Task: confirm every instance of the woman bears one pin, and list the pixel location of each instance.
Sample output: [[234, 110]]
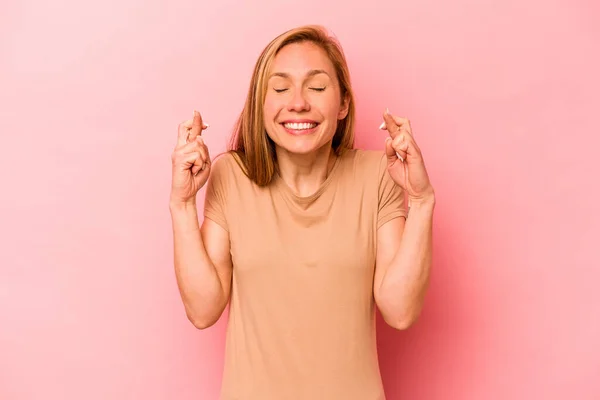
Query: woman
[[303, 235]]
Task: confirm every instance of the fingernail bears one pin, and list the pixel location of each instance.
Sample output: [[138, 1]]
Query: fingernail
[[387, 139], [382, 126], [196, 113], [206, 126], [387, 110]]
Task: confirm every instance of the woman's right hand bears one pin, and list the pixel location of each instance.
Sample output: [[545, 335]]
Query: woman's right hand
[[191, 161]]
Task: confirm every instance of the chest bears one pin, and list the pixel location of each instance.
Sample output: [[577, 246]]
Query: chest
[[334, 233]]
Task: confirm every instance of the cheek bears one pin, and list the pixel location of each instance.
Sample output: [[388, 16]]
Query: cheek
[[271, 107], [330, 105]]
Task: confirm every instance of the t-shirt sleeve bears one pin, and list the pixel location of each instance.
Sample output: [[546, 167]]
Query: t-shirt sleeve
[[216, 192], [391, 199]]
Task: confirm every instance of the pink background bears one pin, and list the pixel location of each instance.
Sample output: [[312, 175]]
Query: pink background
[[504, 102]]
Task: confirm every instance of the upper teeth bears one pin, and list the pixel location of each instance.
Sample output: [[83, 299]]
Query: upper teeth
[[302, 125]]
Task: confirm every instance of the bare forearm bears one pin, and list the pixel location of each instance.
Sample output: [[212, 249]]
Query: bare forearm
[[197, 278], [406, 279]]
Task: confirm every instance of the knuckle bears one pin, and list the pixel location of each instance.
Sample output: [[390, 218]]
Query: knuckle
[[177, 159]]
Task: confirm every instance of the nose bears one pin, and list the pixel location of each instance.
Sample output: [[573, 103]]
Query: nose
[[298, 102]]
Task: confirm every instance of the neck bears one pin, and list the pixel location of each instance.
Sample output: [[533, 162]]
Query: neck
[[305, 173]]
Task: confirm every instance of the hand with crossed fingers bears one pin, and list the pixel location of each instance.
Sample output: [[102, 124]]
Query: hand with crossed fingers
[[190, 159], [405, 161]]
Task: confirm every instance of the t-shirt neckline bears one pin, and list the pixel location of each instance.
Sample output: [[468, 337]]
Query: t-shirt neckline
[[307, 199]]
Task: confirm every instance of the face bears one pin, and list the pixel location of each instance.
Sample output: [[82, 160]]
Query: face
[[303, 102]]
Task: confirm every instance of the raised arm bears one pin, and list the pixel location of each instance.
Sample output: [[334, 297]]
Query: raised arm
[[201, 255], [404, 247]]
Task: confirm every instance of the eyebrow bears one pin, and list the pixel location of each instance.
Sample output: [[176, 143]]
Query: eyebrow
[[310, 73]]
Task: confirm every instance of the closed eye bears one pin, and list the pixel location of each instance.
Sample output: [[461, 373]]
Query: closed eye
[[316, 89]]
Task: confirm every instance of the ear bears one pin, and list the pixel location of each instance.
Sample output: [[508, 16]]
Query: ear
[[344, 108]]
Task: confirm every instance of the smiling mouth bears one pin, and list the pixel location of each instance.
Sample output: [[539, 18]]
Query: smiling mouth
[[299, 126]]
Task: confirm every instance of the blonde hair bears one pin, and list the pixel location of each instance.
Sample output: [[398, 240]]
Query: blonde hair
[[252, 148]]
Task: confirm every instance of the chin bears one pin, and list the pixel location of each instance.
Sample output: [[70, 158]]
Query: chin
[[302, 147], [295, 149]]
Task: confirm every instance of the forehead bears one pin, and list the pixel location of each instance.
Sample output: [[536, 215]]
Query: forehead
[[299, 58]]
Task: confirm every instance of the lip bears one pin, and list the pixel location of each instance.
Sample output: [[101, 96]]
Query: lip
[[302, 132], [299, 121]]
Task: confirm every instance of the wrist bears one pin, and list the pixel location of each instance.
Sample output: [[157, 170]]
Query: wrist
[[184, 216], [422, 202], [425, 198], [182, 205]]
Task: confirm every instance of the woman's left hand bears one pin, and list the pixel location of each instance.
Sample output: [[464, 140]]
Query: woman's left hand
[[409, 172]]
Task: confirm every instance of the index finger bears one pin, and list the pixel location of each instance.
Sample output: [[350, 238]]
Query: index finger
[[183, 132], [389, 123]]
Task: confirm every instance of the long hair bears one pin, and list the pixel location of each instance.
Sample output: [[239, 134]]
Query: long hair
[[252, 148]]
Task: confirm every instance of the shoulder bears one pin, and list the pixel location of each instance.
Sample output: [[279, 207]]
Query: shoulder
[[368, 169], [223, 161], [226, 175], [366, 163], [226, 166]]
